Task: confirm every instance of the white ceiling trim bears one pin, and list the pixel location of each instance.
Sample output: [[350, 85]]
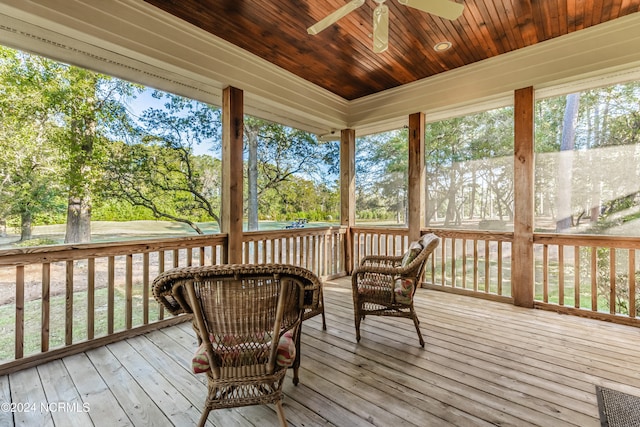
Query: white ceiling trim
[[602, 50], [133, 40]]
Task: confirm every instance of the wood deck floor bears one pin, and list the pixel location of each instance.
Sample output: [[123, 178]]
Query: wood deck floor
[[484, 363]]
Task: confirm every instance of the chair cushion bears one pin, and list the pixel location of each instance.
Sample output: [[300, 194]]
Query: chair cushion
[[403, 290], [285, 354], [411, 254], [427, 238]]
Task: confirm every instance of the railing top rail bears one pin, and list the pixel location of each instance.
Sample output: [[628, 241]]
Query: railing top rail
[[55, 253], [252, 236], [380, 229], [505, 236], [618, 242]]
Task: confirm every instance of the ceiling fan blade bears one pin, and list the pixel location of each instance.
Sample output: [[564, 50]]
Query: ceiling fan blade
[[334, 16], [380, 28], [443, 8]]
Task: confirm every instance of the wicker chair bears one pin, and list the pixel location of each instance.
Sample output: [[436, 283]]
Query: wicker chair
[[386, 285], [247, 318]]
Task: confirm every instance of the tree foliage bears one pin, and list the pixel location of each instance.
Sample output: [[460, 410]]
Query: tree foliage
[[29, 166], [72, 144], [157, 169], [281, 158]]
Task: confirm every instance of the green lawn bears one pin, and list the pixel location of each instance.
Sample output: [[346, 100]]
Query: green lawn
[[33, 321]]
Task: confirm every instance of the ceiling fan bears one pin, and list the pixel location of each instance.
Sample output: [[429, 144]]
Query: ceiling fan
[[443, 8]]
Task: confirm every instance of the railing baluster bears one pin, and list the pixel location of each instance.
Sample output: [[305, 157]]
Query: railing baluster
[[545, 273], [453, 262], [189, 257], [612, 281], [161, 261], [128, 290], [46, 307], [263, 251], [499, 292], [576, 276], [314, 253], [443, 253], [110, 293], [632, 283], [145, 286], [475, 265], [325, 241], [464, 263], [487, 266], [91, 300], [561, 275], [19, 332], [594, 278], [176, 258], [68, 315]]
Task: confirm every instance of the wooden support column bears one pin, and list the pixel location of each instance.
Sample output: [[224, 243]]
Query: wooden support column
[[348, 191], [522, 263], [417, 173], [231, 211]]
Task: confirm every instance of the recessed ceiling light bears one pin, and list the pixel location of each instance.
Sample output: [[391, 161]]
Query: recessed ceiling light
[[441, 46]]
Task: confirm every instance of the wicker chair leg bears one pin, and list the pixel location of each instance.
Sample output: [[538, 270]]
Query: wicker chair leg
[[296, 361], [281, 417], [324, 322], [296, 379], [358, 318], [416, 322], [204, 416]]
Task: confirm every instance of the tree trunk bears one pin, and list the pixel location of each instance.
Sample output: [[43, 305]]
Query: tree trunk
[[79, 203], [451, 197], [252, 178], [565, 163], [78, 220], [25, 226], [472, 196]]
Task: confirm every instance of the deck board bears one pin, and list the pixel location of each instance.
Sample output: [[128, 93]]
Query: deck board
[[484, 363], [60, 390]]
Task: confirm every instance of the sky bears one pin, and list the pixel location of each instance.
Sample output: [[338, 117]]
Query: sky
[[144, 100]]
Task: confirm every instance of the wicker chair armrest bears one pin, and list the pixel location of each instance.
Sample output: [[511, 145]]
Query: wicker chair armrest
[[379, 270], [169, 292], [380, 261]]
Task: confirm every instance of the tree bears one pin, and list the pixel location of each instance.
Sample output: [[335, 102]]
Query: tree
[[88, 105], [156, 167], [381, 175], [565, 164], [29, 165], [469, 167], [277, 155]]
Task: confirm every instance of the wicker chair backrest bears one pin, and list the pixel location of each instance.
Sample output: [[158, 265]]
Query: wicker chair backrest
[[414, 269]]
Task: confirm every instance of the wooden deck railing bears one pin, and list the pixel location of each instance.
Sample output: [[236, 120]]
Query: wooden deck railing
[[62, 299], [321, 250], [59, 300], [474, 262], [378, 241], [592, 276]]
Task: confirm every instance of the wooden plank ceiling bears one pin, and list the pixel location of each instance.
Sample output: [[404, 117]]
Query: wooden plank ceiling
[[340, 58]]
